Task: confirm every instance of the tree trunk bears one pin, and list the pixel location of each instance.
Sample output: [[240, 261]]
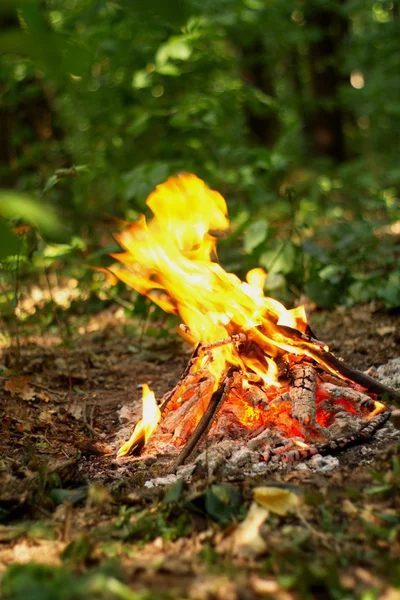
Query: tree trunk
[[324, 119]]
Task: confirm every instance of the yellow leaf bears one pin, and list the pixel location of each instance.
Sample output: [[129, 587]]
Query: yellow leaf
[[247, 539], [277, 500]]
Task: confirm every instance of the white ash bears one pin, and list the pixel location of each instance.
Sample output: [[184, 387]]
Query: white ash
[[302, 466], [217, 455], [266, 437], [259, 468], [389, 373], [126, 414], [345, 424], [161, 481], [236, 458], [185, 471], [389, 432], [323, 464], [244, 457]]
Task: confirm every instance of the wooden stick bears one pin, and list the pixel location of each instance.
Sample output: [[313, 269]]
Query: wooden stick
[[371, 384], [315, 349], [203, 426], [364, 434], [185, 373]]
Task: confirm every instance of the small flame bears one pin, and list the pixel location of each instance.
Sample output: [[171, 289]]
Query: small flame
[[301, 444], [379, 407], [147, 425]]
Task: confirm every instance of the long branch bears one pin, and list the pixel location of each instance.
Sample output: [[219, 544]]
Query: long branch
[[372, 385], [315, 349], [216, 401]]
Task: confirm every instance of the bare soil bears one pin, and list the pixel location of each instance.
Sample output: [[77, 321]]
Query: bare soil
[[61, 484]]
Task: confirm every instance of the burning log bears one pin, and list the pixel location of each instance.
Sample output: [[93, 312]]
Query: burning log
[[303, 392], [256, 366]]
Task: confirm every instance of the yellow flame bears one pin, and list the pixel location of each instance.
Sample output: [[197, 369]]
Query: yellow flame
[[379, 407], [301, 444], [147, 425], [172, 260]]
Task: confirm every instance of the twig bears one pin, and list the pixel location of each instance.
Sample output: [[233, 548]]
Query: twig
[[234, 338], [203, 426], [364, 434], [17, 340], [64, 343], [46, 389]]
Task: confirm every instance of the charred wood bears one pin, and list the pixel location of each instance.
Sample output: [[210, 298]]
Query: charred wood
[[303, 392], [216, 401], [364, 434]]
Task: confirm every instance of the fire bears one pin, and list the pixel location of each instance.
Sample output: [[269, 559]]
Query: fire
[[147, 425], [172, 259]]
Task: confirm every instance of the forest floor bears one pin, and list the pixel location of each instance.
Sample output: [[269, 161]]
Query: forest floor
[[76, 525]]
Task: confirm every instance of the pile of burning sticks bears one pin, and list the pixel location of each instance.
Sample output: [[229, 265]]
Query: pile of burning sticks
[[256, 366]]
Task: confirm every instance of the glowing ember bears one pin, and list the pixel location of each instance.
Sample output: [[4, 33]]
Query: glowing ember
[[274, 367]]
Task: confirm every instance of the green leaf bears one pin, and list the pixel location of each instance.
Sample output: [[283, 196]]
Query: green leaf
[[7, 6], [19, 205], [332, 273], [255, 235], [280, 259], [323, 292], [390, 291], [77, 551], [59, 496], [222, 501], [174, 492], [15, 41], [9, 243], [177, 47]]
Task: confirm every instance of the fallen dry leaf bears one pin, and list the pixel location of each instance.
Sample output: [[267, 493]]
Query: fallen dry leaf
[[247, 539], [278, 500], [386, 330], [19, 386], [46, 416]]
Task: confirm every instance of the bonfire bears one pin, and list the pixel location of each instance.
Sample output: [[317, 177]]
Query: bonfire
[[257, 371]]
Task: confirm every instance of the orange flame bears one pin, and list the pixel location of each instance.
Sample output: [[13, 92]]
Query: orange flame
[[147, 425]]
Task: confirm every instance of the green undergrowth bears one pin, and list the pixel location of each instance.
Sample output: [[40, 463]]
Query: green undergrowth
[[343, 543]]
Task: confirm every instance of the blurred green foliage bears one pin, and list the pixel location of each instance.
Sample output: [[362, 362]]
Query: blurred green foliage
[[290, 109]]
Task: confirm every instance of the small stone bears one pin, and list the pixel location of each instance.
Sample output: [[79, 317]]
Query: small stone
[[125, 414], [161, 481], [259, 468]]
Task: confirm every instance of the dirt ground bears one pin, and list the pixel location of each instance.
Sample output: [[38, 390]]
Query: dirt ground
[[64, 501]]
